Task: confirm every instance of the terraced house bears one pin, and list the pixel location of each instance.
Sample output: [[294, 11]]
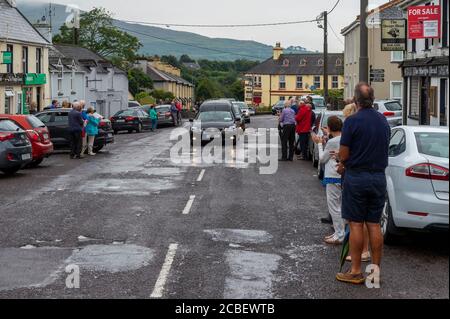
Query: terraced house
[[285, 75], [23, 62]]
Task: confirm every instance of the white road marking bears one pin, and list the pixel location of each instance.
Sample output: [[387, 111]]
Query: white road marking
[[165, 271], [202, 174], [189, 204]]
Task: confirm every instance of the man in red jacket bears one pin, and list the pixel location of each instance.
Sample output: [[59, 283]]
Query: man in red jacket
[[303, 128]]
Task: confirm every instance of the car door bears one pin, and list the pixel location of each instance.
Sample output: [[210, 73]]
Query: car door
[[395, 171], [61, 128], [48, 119], [145, 119]]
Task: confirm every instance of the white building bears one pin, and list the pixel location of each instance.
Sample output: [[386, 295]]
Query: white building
[[425, 73], [105, 85]]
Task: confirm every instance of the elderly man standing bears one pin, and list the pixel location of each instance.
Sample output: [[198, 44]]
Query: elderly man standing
[[76, 125], [364, 158], [287, 123]]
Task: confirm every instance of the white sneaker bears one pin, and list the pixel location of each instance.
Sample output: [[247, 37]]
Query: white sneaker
[[92, 154]]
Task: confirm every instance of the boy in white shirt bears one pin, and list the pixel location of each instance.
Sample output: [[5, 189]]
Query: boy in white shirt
[[332, 179]]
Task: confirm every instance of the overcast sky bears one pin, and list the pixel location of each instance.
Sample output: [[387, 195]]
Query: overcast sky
[[239, 12]]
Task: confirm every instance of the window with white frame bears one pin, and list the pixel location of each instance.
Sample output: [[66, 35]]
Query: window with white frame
[[282, 82], [299, 83], [397, 56], [317, 82], [396, 90], [335, 82]]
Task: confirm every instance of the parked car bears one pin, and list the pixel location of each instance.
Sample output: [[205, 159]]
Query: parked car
[[134, 119], [57, 122], [318, 101], [164, 115], [251, 110], [215, 117], [278, 108], [245, 110], [239, 115], [321, 122], [134, 104], [392, 109], [417, 179], [37, 133], [15, 148]]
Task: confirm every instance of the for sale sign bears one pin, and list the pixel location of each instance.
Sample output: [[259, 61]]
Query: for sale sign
[[424, 22]]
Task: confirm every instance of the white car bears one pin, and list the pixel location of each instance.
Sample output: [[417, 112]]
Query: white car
[[417, 181], [392, 110]]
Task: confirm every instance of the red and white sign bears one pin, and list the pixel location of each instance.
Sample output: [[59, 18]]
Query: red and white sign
[[424, 22]]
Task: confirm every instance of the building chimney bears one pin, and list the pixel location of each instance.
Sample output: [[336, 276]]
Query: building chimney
[[277, 51], [45, 30]]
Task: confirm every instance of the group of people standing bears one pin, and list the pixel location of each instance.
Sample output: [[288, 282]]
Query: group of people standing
[[355, 156], [295, 123], [83, 128]]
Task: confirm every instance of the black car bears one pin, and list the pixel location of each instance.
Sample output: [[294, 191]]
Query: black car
[[215, 118], [278, 108], [57, 122], [134, 119], [15, 147]]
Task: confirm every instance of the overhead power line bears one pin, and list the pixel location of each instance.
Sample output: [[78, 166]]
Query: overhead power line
[[334, 7], [220, 25], [335, 34], [189, 45]]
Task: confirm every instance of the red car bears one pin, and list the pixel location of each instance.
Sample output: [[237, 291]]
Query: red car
[[37, 133]]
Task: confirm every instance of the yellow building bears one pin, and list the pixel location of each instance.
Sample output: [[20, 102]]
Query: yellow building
[[168, 78], [285, 75], [23, 63]]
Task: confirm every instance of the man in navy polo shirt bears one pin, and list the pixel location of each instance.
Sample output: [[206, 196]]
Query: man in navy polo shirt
[[364, 158]]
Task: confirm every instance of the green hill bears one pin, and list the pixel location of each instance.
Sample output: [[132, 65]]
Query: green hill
[[154, 39]]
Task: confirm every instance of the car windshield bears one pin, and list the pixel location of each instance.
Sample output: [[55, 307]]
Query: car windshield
[[218, 116], [327, 116], [126, 113], [8, 126], [237, 109], [319, 102], [433, 144], [163, 109], [35, 122], [241, 105], [393, 106]]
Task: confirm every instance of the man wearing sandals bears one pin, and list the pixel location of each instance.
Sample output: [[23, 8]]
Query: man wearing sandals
[[364, 157]]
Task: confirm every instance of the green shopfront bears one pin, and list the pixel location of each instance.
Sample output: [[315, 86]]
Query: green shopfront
[[32, 91]]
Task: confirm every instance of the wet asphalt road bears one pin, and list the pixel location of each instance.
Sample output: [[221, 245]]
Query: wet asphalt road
[[119, 217]]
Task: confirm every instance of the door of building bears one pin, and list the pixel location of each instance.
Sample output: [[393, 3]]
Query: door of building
[[38, 98], [27, 99], [424, 114]]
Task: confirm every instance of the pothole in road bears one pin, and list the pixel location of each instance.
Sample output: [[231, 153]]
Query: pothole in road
[[251, 275], [36, 267], [239, 236], [137, 187]]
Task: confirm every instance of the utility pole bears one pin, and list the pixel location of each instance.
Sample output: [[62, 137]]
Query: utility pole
[[325, 56], [364, 44]]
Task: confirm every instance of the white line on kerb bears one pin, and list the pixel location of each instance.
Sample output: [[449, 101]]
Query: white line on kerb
[[188, 207], [164, 274], [200, 177]]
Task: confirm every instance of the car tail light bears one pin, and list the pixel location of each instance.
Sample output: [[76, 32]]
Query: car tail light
[[10, 157], [102, 124], [388, 114], [420, 214], [33, 135], [130, 118], [112, 119], [6, 136], [428, 171]]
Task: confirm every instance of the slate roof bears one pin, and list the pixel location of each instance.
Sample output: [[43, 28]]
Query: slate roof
[[301, 64], [14, 26], [86, 58], [161, 76]]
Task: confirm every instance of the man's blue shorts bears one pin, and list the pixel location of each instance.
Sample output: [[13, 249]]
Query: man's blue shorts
[[363, 196]]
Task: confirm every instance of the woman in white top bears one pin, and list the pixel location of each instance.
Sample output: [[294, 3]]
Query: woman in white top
[[332, 179]]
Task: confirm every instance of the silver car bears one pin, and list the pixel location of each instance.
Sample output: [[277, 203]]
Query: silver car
[[417, 179], [392, 110]]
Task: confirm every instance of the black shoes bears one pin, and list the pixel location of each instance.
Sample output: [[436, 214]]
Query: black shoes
[[326, 220]]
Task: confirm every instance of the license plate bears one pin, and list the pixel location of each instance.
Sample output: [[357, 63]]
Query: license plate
[[120, 121], [26, 157], [110, 135]]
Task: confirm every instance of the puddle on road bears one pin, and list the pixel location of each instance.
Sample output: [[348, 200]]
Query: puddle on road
[[239, 236], [40, 267], [251, 275]]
